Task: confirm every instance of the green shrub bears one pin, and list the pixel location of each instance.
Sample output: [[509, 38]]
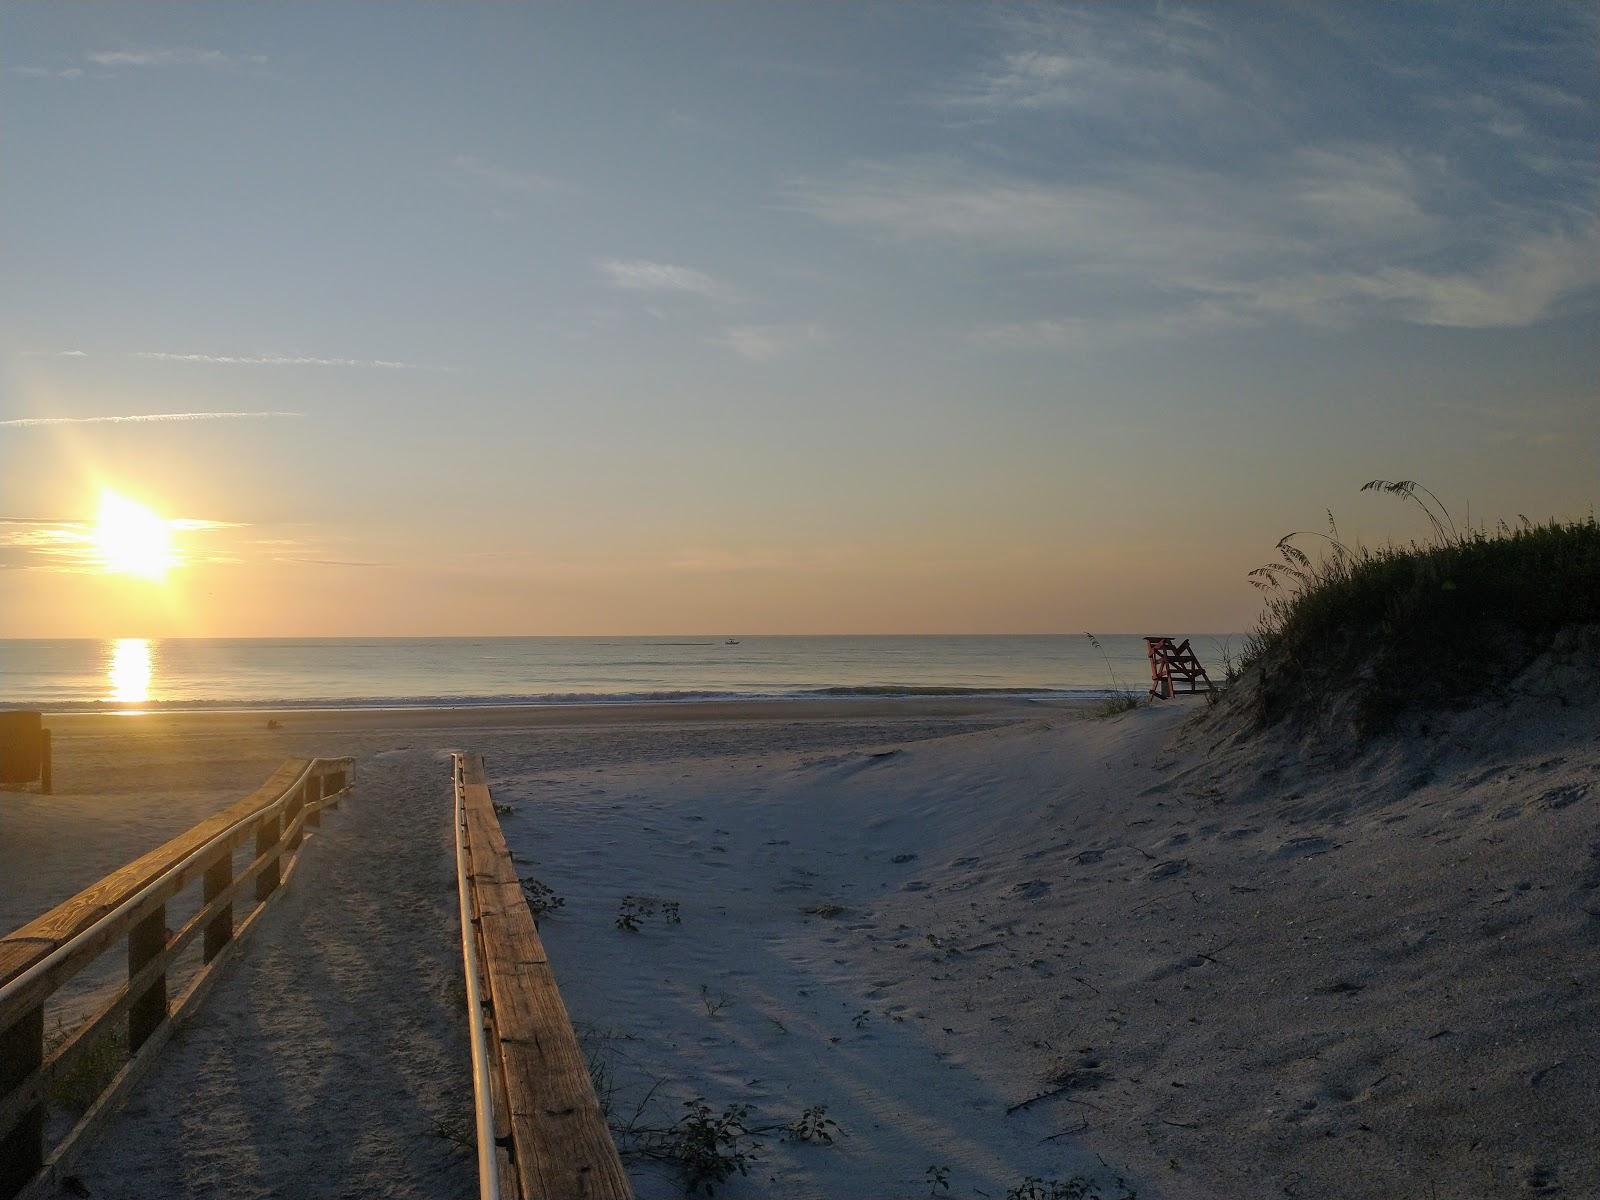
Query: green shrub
[[1421, 623]]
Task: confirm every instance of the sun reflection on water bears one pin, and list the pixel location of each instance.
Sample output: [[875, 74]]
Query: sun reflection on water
[[129, 672]]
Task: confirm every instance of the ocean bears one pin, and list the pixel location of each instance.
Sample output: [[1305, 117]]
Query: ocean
[[138, 673]]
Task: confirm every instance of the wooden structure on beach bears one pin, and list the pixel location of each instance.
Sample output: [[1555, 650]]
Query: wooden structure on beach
[[541, 1134], [129, 907], [1174, 670], [24, 749]]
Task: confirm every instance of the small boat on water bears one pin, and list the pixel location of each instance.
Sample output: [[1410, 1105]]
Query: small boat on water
[[731, 642]]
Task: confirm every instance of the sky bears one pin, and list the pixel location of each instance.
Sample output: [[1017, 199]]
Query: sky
[[784, 318]]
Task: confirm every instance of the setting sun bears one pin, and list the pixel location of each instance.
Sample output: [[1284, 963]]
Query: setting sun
[[133, 540]]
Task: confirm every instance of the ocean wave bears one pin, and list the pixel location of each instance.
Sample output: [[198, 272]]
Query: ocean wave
[[537, 699]]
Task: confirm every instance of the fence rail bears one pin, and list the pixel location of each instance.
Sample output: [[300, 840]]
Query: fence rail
[[531, 1084], [131, 904]]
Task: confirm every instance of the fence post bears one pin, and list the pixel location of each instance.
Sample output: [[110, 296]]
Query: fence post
[[291, 810], [219, 930], [268, 830], [314, 801], [21, 1147], [147, 1010]]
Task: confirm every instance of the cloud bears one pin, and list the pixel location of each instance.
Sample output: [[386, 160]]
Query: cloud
[[639, 275], [1316, 234], [141, 419], [171, 56], [1088, 333], [1527, 281], [764, 343], [45, 72], [70, 546], [1158, 217], [282, 360], [1165, 172], [507, 179]]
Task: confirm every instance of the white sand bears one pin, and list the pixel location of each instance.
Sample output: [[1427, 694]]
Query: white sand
[[1239, 971], [1235, 968]]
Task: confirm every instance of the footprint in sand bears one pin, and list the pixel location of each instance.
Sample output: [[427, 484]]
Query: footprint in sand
[[1303, 847], [1561, 797]]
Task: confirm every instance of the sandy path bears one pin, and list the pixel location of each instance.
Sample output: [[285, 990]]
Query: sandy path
[[334, 1049]]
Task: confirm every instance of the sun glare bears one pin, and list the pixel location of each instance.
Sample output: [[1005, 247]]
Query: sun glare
[[129, 671], [132, 540]]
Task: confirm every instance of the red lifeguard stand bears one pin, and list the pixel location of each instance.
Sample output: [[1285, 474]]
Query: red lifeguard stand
[[1174, 670]]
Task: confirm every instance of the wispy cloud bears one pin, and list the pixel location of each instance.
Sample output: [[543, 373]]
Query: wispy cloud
[[1187, 187], [171, 56], [70, 546], [282, 360], [640, 275], [45, 72], [1161, 218], [507, 179], [1317, 234], [1099, 332], [252, 360], [142, 419], [765, 343]]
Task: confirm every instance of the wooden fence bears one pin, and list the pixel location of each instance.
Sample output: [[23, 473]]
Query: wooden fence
[[131, 904], [541, 1133]]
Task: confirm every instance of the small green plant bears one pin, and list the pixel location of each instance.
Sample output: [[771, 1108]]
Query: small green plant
[[542, 898], [938, 1180], [713, 1006], [813, 1125], [861, 1018], [707, 1148], [1115, 705], [1121, 698], [1034, 1187], [633, 911]]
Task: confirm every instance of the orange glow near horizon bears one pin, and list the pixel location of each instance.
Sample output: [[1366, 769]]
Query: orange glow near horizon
[[132, 539]]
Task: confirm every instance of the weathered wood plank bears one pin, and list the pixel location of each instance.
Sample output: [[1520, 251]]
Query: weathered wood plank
[[25, 946], [44, 1185], [561, 1148]]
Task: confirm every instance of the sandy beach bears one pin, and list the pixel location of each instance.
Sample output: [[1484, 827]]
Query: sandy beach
[[991, 939]]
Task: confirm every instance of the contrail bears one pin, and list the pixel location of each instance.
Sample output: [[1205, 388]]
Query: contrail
[[277, 360], [142, 419]]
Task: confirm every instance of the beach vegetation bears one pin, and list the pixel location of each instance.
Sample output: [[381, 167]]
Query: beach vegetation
[[1115, 705], [541, 897], [938, 1179], [714, 1005], [635, 910], [704, 1147], [1121, 698], [1034, 1187], [813, 1125], [1428, 622]]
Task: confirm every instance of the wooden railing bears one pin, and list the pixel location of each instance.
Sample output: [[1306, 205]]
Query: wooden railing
[[541, 1133], [131, 904]]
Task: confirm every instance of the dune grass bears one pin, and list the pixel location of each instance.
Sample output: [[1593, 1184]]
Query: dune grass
[[1431, 621]]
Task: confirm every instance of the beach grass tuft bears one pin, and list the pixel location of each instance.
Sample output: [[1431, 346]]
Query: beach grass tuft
[[1426, 622]]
